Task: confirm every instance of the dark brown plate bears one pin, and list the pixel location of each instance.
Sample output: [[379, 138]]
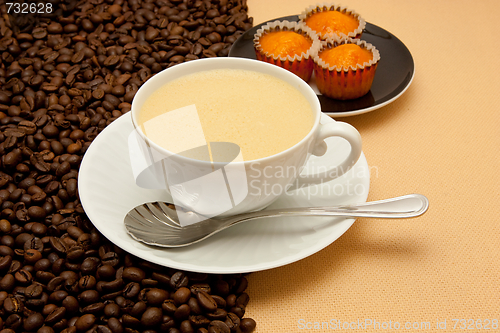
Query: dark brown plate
[[394, 73]]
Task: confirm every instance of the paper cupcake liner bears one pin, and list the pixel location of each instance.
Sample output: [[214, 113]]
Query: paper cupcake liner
[[345, 83], [299, 64], [321, 7]]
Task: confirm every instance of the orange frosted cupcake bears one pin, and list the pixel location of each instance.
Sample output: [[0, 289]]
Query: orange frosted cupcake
[[290, 45], [329, 20], [345, 67]]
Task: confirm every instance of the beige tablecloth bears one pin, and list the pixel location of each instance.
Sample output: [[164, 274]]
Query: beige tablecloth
[[440, 138]]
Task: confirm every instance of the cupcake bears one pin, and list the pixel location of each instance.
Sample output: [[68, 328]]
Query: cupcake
[[345, 67], [329, 20], [290, 45]]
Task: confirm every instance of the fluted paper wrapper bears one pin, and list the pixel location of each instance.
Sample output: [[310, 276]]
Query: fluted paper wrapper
[[299, 64], [323, 7], [345, 83]]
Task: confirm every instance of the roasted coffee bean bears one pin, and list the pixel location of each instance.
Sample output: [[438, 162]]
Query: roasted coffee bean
[[178, 280], [13, 304], [85, 241], [238, 310], [197, 287], [95, 308], [110, 258], [242, 299], [149, 283], [6, 251], [23, 277], [38, 229], [71, 284], [247, 325], [217, 326], [195, 307], [74, 232], [133, 274], [89, 265], [6, 284], [87, 282], [57, 267], [221, 302], [186, 327], [42, 265], [58, 295], [70, 303], [138, 309], [55, 315], [131, 290], [115, 325], [152, 317], [5, 226], [129, 321], [156, 296], [106, 272], [85, 322], [57, 245], [181, 296], [75, 253], [231, 300], [37, 303], [111, 296], [33, 291], [45, 329], [103, 329], [13, 322], [182, 312], [5, 262], [33, 322], [218, 314], [89, 296], [169, 306], [232, 321], [71, 329], [206, 301], [112, 310], [241, 285], [44, 277], [21, 239], [199, 320]]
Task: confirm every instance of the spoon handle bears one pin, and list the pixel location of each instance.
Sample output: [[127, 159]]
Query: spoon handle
[[148, 223], [406, 206]]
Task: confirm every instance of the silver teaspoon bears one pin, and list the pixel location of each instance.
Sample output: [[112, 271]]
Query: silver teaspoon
[[156, 223]]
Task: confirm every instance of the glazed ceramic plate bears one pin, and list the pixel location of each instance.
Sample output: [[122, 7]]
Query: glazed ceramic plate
[[394, 74], [108, 191]]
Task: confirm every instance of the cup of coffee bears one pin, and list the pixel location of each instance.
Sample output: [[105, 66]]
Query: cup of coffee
[[228, 135]]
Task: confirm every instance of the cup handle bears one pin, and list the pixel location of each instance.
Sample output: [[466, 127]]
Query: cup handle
[[340, 129]]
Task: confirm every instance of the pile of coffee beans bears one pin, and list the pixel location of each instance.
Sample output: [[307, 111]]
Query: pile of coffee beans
[[64, 76]]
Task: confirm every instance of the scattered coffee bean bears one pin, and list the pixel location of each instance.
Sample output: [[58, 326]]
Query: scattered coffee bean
[[182, 295], [217, 326], [63, 78], [133, 274], [206, 301], [33, 322], [247, 325], [152, 317], [85, 322]]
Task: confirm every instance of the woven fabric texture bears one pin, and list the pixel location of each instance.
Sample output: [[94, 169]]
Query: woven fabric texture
[[441, 138]]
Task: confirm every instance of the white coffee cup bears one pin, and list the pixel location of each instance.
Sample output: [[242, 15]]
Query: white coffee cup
[[235, 186]]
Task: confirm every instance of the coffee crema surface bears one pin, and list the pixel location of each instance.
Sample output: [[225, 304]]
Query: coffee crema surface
[[260, 113]]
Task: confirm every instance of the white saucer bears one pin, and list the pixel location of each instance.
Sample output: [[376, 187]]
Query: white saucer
[[108, 191]]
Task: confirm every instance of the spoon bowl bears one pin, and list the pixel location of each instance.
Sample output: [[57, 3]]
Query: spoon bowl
[[157, 223]]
